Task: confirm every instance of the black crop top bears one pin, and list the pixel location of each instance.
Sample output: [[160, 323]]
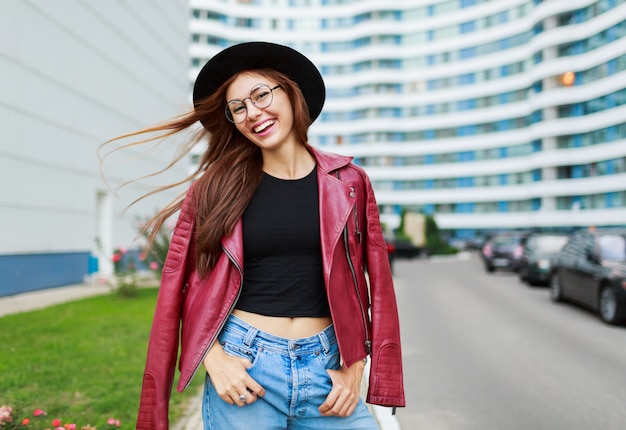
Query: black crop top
[[283, 273]]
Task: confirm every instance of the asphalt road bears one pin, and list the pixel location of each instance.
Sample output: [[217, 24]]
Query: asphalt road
[[485, 352]]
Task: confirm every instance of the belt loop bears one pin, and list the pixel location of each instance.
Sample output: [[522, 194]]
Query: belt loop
[[324, 341], [250, 335]]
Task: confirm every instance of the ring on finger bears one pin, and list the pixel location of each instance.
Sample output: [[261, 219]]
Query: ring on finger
[[243, 397]]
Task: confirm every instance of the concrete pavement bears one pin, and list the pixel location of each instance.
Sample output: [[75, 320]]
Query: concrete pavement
[[193, 420]]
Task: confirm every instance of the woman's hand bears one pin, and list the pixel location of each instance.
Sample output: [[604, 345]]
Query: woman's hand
[[344, 396], [230, 378]]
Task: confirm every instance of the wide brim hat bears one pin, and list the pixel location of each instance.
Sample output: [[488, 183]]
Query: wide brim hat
[[262, 55]]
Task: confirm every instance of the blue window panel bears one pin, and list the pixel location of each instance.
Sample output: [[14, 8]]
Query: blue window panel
[[466, 130], [429, 159], [504, 98], [610, 167], [430, 60], [611, 67], [505, 44], [467, 156], [466, 182], [430, 109], [577, 172], [503, 179], [536, 175], [430, 9], [397, 137], [467, 27], [503, 206], [466, 53], [610, 199], [466, 79], [503, 17], [428, 209], [537, 145], [467, 3], [611, 100], [429, 134], [577, 140], [578, 109], [465, 233], [538, 87], [502, 125], [464, 208], [431, 84], [429, 184], [504, 152], [430, 34], [535, 204], [611, 133]]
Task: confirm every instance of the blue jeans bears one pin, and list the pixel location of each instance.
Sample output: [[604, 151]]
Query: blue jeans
[[293, 373]]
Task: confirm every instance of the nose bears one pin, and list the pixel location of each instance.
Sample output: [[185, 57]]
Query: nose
[[253, 110]]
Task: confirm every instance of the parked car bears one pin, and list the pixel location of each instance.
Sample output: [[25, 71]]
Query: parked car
[[539, 248], [590, 270], [502, 251], [402, 248]]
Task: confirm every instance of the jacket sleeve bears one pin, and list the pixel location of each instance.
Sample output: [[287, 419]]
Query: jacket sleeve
[[164, 336], [386, 386]]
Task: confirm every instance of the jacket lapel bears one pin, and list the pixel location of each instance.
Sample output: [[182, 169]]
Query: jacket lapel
[[335, 203]]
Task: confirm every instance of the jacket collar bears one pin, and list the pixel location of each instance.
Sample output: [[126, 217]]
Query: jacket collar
[[336, 201]]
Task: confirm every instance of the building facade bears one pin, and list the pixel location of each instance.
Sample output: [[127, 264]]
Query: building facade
[[76, 73], [488, 114]]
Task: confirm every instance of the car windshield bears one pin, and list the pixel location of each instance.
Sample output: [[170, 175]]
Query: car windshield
[[548, 244], [612, 247], [506, 241]]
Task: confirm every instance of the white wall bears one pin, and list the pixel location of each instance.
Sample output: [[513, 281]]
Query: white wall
[[74, 73]]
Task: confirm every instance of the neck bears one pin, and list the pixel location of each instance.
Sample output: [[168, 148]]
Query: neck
[[291, 163]]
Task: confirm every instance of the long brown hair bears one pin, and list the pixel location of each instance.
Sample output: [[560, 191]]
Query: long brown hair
[[229, 171]]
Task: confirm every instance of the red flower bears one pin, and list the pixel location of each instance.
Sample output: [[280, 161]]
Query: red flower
[[56, 423], [117, 257], [39, 412], [25, 421]]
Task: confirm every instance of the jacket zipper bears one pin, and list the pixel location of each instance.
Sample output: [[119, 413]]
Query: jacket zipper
[[217, 332], [368, 342]]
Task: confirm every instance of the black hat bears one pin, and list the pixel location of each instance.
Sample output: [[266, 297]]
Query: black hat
[[262, 55]]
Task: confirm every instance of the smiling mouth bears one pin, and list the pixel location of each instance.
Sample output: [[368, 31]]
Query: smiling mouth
[[264, 126]]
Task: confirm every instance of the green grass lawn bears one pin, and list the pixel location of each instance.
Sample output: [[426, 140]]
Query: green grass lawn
[[82, 361]]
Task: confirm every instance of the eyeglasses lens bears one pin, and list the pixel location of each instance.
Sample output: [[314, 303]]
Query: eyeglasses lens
[[261, 96]]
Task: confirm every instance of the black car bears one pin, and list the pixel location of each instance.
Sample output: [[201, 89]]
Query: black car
[[590, 271], [539, 248], [502, 251]]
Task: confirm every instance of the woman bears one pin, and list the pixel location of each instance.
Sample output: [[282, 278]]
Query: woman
[[265, 275]]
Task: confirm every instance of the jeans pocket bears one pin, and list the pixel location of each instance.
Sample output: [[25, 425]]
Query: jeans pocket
[[240, 350]]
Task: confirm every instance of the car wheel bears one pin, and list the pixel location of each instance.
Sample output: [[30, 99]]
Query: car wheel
[[608, 306], [523, 274], [556, 293]]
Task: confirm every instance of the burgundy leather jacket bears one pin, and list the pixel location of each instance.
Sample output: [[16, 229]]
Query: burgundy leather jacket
[[197, 308]]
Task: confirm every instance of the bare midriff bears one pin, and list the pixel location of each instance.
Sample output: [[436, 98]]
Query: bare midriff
[[286, 327]]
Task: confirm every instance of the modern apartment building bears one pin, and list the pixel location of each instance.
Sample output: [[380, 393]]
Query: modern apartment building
[[75, 73], [489, 114]]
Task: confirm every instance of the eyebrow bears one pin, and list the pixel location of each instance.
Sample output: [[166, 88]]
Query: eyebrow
[[252, 89]]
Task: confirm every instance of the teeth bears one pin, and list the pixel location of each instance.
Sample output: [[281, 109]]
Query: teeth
[[263, 126]]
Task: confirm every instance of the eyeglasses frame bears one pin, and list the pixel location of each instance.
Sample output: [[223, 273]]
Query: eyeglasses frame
[[226, 110]]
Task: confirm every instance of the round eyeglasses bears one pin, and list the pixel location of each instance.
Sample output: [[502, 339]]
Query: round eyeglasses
[[261, 96]]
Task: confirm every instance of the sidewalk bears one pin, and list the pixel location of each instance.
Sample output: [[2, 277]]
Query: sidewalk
[[193, 421]]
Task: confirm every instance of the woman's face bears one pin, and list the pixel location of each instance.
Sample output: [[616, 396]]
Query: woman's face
[[270, 128]]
